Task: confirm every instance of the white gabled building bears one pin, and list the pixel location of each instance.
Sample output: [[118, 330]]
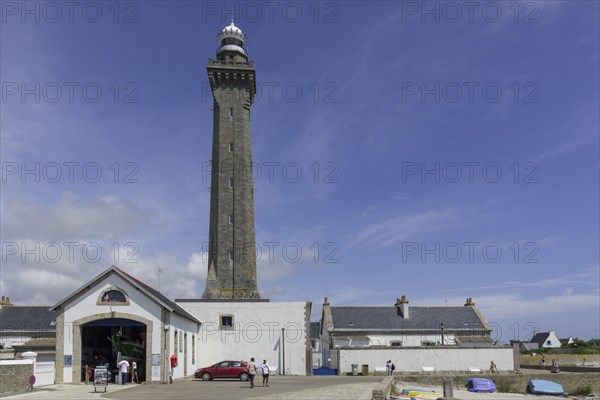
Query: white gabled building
[[547, 340], [116, 312]]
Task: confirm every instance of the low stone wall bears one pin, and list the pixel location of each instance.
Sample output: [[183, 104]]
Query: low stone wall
[[563, 359], [14, 375], [383, 389], [518, 382], [565, 368]]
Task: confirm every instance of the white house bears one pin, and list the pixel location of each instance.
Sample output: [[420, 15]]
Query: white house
[[115, 314], [546, 339]]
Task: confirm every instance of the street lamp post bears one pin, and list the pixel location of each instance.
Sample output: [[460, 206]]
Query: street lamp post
[[283, 351], [442, 328]]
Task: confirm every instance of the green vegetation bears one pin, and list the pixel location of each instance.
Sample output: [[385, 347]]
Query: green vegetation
[[585, 390], [506, 387]]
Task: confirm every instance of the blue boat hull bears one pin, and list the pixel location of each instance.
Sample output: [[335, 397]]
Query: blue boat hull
[[481, 385], [539, 386]]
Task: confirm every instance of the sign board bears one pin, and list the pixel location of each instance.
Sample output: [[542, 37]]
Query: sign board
[[100, 378]]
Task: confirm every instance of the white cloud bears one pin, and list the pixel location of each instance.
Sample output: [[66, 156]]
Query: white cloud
[[72, 218], [393, 230]]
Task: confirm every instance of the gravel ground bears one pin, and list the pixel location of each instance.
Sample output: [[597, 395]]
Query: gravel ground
[[350, 391], [466, 395]]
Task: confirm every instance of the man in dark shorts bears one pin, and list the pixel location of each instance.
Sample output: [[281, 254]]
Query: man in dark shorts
[[265, 373]]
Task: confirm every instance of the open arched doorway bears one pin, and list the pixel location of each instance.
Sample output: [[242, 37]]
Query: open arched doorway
[[107, 341], [104, 339]]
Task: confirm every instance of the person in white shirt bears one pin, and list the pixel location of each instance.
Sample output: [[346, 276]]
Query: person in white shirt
[[265, 373], [252, 372], [123, 367], [134, 373]]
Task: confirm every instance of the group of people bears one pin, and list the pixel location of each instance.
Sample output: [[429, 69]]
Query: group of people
[[253, 369], [126, 369]]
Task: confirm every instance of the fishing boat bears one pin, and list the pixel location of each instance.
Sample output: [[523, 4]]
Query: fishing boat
[[129, 349]]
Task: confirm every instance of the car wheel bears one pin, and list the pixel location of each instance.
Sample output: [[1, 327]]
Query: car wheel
[[206, 376], [244, 376]]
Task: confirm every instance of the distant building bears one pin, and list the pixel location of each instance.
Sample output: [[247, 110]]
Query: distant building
[[27, 328], [567, 341], [546, 340], [414, 338]]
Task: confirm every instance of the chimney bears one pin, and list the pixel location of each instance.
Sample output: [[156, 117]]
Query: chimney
[[402, 307], [469, 302], [327, 318], [5, 302]]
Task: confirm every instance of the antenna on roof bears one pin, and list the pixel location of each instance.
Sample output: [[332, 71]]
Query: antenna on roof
[[159, 270]]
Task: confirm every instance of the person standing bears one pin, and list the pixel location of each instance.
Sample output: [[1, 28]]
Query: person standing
[[388, 367], [265, 373], [252, 372], [543, 362], [493, 367], [134, 372], [123, 367]]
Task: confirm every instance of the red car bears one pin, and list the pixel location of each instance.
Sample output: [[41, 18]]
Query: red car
[[224, 369]]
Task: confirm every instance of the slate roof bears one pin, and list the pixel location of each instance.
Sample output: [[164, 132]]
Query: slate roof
[[540, 338], [315, 330], [421, 318], [27, 319]]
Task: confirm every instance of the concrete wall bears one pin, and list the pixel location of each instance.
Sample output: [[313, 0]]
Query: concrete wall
[[413, 359], [257, 333], [187, 332], [14, 375]]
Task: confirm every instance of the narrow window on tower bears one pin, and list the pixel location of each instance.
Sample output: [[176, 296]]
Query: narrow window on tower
[[231, 255], [231, 183], [230, 219], [231, 112], [230, 146]]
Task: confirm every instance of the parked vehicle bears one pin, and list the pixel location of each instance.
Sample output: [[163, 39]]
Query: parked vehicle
[[224, 370]]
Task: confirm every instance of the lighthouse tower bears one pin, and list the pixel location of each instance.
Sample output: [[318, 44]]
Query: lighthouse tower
[[236, 321], [232, 242]]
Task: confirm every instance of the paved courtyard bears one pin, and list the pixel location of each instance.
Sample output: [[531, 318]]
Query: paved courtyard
[[281, 388]]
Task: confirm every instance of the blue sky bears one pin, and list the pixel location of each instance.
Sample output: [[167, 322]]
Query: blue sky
[[428, 141]]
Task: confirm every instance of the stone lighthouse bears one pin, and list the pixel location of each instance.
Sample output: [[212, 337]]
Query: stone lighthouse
[[232, 242]]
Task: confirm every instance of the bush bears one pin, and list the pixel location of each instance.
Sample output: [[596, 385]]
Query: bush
[[585, 390]]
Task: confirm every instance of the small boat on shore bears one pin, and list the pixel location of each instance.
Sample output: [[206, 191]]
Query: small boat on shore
[[481, 385], [540, 386]]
